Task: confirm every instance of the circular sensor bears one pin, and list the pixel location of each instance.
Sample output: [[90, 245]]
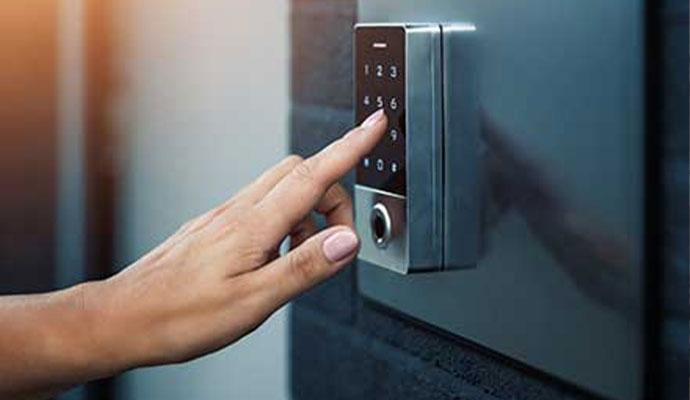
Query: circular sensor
[[380, 222]]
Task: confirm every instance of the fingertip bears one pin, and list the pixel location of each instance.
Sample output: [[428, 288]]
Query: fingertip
[[340, 245], [371, 130], [374, 119]]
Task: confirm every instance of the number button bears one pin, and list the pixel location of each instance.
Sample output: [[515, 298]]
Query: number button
[[379, 101], [366, 101], [394, 103], [394, 167], [393, 71], [380, 165], [367, 69], [379, 70], [394, 135], [366, 162]]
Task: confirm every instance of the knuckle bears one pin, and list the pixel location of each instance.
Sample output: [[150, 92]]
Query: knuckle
[[293, 159], [191, 226], [303, 264], [185, 226], [247, 242], [256, 252], [304, 172]]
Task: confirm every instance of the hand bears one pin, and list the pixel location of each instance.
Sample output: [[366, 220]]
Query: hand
[[220, 275]]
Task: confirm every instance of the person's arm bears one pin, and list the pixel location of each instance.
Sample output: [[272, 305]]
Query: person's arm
[[46, 343], [212, 282]]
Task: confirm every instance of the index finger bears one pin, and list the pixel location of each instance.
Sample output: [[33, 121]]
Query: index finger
[[299, 192]]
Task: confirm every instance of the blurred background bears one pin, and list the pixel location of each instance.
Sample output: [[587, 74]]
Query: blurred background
[[121, 120]]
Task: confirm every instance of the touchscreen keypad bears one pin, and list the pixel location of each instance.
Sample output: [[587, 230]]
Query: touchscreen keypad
[[380, 83]]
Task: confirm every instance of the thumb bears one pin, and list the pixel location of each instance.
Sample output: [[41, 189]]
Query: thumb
[[312, 262]]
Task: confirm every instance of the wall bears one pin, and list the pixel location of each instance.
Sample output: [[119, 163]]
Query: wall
[[672, 89], [345, 348], [201, 110]]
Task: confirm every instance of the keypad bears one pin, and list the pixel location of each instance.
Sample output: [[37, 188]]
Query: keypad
[[380, 83]]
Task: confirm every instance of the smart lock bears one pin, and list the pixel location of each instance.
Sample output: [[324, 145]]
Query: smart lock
[[416, 193]]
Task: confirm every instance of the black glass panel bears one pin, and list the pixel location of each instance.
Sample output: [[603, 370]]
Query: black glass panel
[[380, 83]]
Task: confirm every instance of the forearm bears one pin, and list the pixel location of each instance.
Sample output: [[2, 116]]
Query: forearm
[[47, 343]]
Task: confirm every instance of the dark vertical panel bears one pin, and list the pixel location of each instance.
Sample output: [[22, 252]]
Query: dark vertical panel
[[672, 88], [653, 200], [27, 144], [667, 219], [100, 167]]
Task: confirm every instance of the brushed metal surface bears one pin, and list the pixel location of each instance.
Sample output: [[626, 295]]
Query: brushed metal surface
[[461, 147], [394, 255], [559, 282]]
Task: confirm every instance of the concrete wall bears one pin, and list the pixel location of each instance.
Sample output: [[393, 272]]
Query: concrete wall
[[201, 110]]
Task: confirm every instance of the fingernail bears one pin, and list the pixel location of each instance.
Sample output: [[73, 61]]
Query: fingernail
[[373, 119], [340, 245]]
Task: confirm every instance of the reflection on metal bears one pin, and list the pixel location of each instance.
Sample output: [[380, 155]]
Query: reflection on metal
[[598, 263], [560, 277]]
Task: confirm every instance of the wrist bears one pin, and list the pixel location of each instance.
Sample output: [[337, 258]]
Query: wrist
[[102, 349], [121, 334], [48, 337]]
